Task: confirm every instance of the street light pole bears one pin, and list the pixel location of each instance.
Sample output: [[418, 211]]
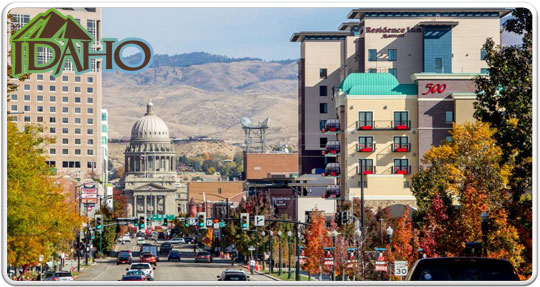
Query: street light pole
[[358, 233], [279, 259], [271, 233], [361, 196], [334, 239], [297, 266], [289, 235], [263, 249], [390, 233]]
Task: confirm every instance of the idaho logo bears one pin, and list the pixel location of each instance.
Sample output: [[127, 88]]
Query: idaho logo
[[67, 39]]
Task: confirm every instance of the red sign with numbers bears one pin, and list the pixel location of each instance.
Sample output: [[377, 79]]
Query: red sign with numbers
[[434, 88]]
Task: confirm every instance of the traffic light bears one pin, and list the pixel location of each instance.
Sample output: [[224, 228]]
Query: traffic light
[[202, 220], [141, 222], [345, 217], [337, 220], [165, 222], [244, 221], [98, 218]]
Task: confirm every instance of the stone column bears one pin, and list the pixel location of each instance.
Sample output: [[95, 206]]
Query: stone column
[[145, 205]]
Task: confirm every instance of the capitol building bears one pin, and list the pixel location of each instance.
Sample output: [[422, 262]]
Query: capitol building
[[149, 183]]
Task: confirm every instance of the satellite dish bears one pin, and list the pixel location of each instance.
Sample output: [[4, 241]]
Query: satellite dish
[[245, 121], [264, 124]]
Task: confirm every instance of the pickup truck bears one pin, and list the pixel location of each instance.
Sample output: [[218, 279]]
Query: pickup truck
[[150, 248]]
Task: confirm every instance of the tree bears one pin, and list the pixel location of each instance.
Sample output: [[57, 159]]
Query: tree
[[40, 216], [314, 237], [402, 239]]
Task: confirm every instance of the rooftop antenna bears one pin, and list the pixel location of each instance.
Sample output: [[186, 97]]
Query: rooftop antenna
[[255, 135]]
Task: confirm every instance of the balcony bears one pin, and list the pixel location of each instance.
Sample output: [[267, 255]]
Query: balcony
[[332, 192], [401, 170], [401, 147], [383, 125], [365, 147], [370, 169], [332, 149], [332, 126], [332, 170]]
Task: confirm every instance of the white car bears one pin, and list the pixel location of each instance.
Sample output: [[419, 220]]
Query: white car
[[140, 241], [145, 267], [177, 241]]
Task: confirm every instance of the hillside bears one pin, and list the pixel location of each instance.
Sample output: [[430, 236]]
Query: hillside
[[207, 99]]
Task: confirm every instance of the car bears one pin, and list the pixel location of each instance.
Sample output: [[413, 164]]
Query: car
[[148, 257], [140, 234], [140, 241], [203, 256], [233, 275], [126, 250], [462, 269], [123, 257], [165, 248], [124, 239], [188, 240], [133, 278], [59, 276], [174, 255], [136, 272], [177, 241], [145, 267]]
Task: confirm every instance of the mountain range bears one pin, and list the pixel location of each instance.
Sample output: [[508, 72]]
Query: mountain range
[[203, 94]]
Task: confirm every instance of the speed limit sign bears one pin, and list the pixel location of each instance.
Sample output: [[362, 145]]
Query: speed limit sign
[[401, 268]]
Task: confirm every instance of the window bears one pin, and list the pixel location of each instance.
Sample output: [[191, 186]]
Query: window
[[449, 117], [90, 131], [393, 71], [52, 99], [65, 78], [323, 108], [14, 118], [401, 119], [26, 119], [483, 54], [52, 120], [104, 141], [365, 165], [401, 165], [77, 151], [65, 99], [91, 27], [77, 131], [39, 77], [90, 111], [39, 109], [52, 151], [39, 87], [65, 151], [65, 141], [13, 97], [90, 90], [484, 70], [65, 120], [78, 121], [89, 141], [91, 164], [104, 117], [372, 70], [448, 139], [77, 79], [27, 87], [14, 108], [52, 88], [39, 119], [104, 128], [438, 65], [44, 55], [365, 119], [90, 121], [52, 130], [77, 110], [77, 141], [19, 20], [401, 143], [26, 98], [365, 143], [51, 78], [26, 108], [372, 55], [322, 124], [90, 100], [90, 152], [323, 91], [323, 73], [89, 79], [65, 130], [322, 142], [39, 98], [65, 89], [77, 100], [392, 54], [77, 89], [65, 110], [52, 109]]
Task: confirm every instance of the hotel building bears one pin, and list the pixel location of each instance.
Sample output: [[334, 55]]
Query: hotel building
[[412, 78], [68, 106]]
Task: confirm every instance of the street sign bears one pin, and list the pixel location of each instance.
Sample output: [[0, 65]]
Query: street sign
[[222, 224], [170, 217], [328, 257], [381, 264], [216, 225], [192, 221], [209, 222], [401, 268], [89, 204], [89, 195], [251, 248], [259, 220]]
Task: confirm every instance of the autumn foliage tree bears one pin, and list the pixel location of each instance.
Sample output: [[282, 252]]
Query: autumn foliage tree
[[315, 236]]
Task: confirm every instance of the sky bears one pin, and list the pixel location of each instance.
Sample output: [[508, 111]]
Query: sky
[[234, 32]]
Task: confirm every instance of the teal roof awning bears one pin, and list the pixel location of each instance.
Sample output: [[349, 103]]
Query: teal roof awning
[[376, 84]]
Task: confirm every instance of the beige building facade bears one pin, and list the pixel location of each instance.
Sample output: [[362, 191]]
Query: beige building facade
[[68, 107]]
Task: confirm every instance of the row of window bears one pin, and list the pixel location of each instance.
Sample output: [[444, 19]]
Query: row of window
[[65, 78], [77, 141], [65, 89], [392, 55], [366, 118], [438, 67], [72, 164], [52, 109], [52, 99], [77, 151]]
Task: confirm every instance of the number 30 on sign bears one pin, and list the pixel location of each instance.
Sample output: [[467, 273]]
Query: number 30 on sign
[[401, 268]]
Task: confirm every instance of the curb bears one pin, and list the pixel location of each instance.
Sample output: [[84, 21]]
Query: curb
[[265, 275]]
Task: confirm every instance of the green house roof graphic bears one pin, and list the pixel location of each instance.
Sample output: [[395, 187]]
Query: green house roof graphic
[[52, 25]]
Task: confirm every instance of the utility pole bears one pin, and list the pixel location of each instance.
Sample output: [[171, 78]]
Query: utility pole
[[297, 266]]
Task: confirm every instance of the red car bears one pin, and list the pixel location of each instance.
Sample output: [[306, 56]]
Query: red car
[[148, 257]]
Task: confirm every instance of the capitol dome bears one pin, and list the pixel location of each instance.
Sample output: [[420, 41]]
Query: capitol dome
[[150, 127]]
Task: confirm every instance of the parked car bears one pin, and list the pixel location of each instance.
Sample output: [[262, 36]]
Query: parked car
[[165, 248], [233, 275], [176, 241], [462, 269], [59, 276], [123, 257], [136, 272], [145, 267], [203, 256], [174, 255], [148, 257]]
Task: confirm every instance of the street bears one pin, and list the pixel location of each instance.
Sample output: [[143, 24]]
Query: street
[[185, 270]]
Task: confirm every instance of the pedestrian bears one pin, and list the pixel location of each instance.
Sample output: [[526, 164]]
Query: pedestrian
[[233, 258], [251, 265]]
